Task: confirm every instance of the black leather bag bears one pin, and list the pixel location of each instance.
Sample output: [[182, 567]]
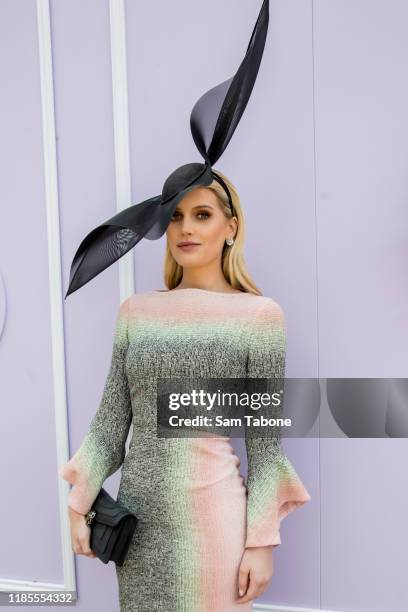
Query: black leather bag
[[112, 528]]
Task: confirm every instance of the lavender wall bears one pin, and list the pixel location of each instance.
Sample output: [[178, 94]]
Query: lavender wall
[[26, 394], [319, 161]]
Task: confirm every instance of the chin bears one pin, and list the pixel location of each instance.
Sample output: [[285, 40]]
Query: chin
[[186, 256], [189, 261]]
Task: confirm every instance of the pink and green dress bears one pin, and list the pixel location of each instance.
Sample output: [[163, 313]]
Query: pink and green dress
[[196, 512]]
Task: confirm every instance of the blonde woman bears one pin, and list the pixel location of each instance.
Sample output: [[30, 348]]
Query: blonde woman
[[204, 538]]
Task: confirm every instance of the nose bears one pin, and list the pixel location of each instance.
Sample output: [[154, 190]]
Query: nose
[[186, 225]]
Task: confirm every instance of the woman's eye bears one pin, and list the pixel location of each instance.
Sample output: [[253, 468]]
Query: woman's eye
[[202, 215]]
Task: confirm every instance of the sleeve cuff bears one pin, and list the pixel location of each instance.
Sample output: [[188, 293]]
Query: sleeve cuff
[[264, 529]]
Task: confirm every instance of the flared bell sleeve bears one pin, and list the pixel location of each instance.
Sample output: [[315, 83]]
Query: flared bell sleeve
[[104, 447], [274, 489]]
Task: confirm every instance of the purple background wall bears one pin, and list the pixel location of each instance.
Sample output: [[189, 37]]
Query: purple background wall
[[319, 160]]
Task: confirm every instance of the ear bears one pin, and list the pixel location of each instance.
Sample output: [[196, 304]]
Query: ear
[[233, 225]]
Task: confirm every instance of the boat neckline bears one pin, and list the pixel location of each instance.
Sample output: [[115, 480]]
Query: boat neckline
[[199, 289]]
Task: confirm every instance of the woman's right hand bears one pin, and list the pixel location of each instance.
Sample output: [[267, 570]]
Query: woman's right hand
[[80, 534]]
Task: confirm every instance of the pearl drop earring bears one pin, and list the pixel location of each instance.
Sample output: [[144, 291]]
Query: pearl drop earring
[[230, 241]]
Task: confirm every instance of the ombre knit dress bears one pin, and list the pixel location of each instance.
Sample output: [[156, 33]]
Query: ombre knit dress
[[196, 512]]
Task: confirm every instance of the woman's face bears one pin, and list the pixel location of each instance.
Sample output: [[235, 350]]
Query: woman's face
[[198, 218]]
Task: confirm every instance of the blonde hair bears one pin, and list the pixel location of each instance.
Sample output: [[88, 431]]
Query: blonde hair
[[232, 258]]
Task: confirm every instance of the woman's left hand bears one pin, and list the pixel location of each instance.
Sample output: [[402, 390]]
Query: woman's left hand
[[255, 572]]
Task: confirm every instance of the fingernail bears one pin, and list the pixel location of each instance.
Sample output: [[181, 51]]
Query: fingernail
[[241, 592]]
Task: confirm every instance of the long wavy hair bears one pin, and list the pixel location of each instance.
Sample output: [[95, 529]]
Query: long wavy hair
[[232, 258]]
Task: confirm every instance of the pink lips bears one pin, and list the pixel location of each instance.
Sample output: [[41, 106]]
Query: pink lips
[[187, 246]]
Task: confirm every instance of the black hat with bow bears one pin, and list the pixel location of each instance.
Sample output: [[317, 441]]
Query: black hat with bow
[[213, 121]]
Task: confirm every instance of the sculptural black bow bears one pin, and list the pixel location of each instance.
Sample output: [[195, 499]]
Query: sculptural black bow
[[213, 121]]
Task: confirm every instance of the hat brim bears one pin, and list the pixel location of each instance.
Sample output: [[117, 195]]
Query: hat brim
[[115, 237], [111, 240]]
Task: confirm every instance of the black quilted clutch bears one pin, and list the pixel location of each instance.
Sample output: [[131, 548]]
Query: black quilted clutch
[[112, 528]]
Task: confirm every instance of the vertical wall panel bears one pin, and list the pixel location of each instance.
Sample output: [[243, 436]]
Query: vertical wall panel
[[361, 54], [27, 449]]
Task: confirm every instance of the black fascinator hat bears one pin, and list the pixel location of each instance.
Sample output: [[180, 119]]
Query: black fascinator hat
[[213, 121]]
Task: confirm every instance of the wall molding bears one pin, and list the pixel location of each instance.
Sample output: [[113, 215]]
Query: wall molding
[[55, 279], [3, 305], [117, 19], [56, 305], [55, 287], [30, 585], [274, 608]]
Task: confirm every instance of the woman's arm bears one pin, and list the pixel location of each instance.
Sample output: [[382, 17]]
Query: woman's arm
[[103, 450], [273, 487]]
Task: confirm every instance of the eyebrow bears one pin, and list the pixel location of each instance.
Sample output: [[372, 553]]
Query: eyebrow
[[198, 206]]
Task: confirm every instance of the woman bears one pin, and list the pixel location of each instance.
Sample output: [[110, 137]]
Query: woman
[[204, 537]]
